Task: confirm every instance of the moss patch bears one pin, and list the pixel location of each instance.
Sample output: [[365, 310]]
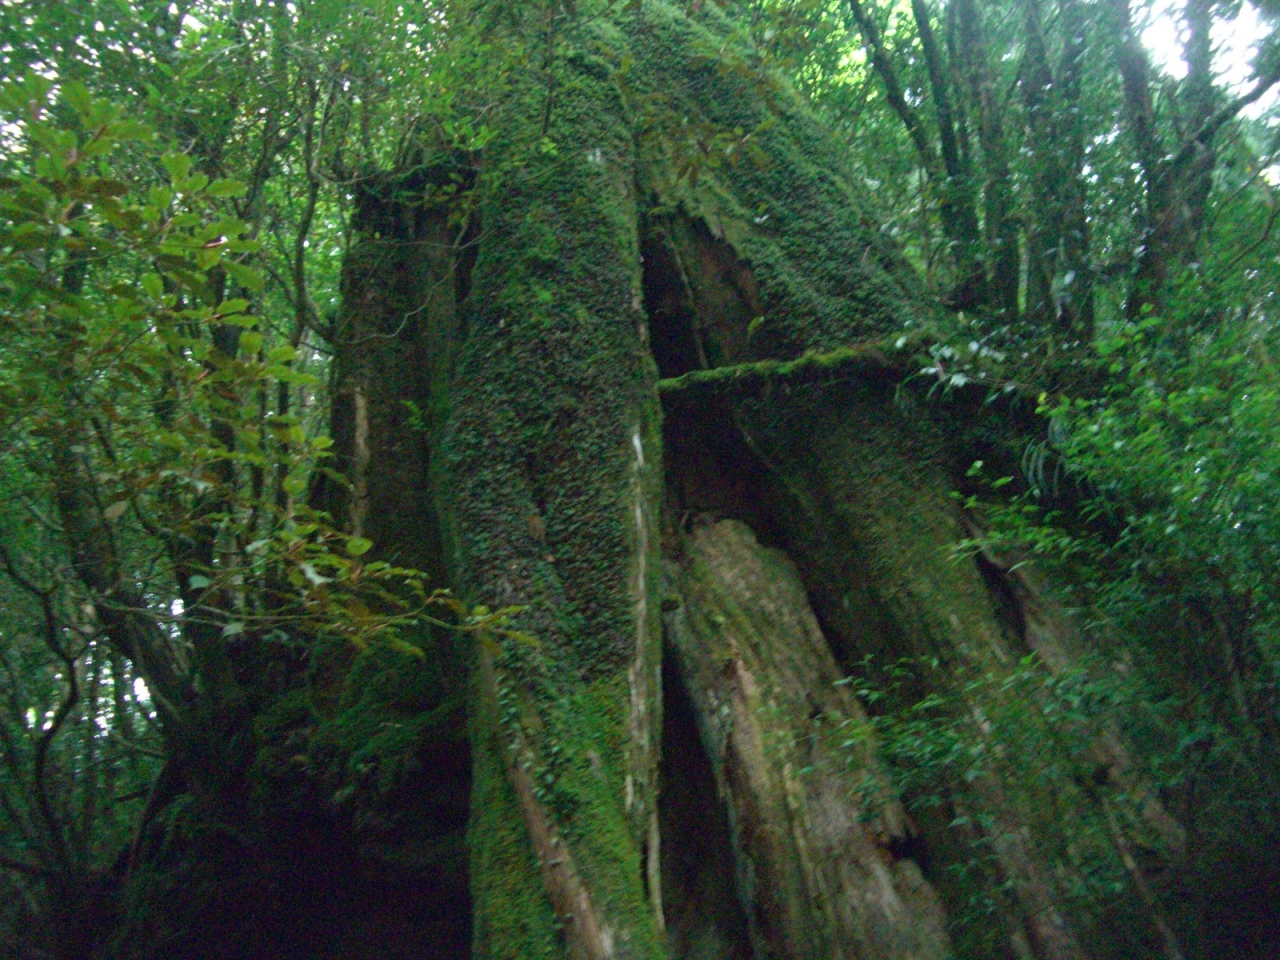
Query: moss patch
[[550, 479], [781, 198], [512, 915]]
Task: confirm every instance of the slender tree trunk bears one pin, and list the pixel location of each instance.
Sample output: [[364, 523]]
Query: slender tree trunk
[[1000, 232], [1059, 286], [950, 166]]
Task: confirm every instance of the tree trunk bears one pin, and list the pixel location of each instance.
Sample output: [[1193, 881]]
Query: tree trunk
[[766, 531]]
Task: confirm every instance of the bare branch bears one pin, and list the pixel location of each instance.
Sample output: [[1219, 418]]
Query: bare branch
[[1223, 116]]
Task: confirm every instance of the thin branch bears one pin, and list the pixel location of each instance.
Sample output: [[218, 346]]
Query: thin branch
[[1169, 940], [894, 91], [69, 702], [1266, 235], [20, 579], [137, 747], [941, 91], [746, 377], [41, 517], [1224, 114], [27, 869]]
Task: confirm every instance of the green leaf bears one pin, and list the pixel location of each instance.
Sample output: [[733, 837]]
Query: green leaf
[[403, 646], [76, 95], [132, 130], [159, 197], [226, 227], [358, 546], [247, 277], [194, 183], [228, 307], [178, 165], [31, 88], [227, 188]]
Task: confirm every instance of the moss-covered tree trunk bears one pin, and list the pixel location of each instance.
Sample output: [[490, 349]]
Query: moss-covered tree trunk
[[551, 478], [605, 432]]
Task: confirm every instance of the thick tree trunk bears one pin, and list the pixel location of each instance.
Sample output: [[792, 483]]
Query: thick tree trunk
[[770, 530], [551, 474]]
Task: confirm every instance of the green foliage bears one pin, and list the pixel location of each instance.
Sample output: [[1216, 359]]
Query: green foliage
[[1027, 733], [153, 517], [1152, 507], [176, 184], [1174, 466], [87, 347]]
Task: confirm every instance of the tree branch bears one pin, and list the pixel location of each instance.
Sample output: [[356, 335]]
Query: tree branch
[[1135, 73], [941, 92], [1222, 116], [874, 357], [27, 869], [894, 91]]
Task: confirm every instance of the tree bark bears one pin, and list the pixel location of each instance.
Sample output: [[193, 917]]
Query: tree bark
[[766, 510]]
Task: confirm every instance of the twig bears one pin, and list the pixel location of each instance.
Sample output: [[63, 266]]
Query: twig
[[29, 869], [1266, 235], [1172, 950]]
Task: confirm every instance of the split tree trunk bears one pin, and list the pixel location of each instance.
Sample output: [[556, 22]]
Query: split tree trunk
[[768, 531]]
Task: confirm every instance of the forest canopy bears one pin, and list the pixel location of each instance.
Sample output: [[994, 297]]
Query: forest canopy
[[394, 395]]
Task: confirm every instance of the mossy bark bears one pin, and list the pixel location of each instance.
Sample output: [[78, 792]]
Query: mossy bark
[[386, 731], [395, 341], [551, 480], [851, 478], [612, 251], [878, 529]]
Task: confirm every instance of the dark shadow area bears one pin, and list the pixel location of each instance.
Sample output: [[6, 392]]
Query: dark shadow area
[[319, 885], [713, 474], [671, 318], [699, 296], [704, 914], [711, 471], [349, 843], [699, 299], [1242, 913]]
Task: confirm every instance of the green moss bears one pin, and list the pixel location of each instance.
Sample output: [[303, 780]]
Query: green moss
[[784, 201], [872, 360], [587, 761], [879, 528], [539, 473], [512, 917], [541, 480], [391, 705], [579, 773], [554, 379]]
